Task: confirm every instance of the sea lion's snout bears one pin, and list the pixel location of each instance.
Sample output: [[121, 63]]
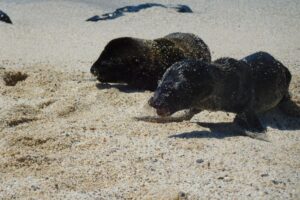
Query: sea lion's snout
[[93, 71], [102, 70], [161, 110]]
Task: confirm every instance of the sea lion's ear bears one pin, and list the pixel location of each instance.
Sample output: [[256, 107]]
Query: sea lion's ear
[[244, 64]]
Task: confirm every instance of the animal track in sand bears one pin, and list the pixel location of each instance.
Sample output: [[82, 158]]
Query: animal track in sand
[[30, 141], [16, 122], [46, 103], [60, 108], [11, 78], [34, 143], [26, 160], [30, 160], [18, 114]]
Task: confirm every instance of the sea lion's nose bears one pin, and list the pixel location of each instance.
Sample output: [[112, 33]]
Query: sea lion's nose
[[153, 102], [161, 109], [93, 70]]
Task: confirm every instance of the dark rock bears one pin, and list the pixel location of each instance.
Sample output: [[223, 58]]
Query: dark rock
[[264, 175], [130, 9], [4, 17], [12, 78], [277, 182], [182, 196], [183, 9]]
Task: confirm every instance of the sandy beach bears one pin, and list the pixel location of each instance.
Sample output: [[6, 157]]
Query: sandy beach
[[63, 135]]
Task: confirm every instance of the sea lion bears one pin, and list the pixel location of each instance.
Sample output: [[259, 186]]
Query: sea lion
[[141, 63], [246, 87], [4, 17]]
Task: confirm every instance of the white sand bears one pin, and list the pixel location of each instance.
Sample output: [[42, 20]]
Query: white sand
[[62, 137]]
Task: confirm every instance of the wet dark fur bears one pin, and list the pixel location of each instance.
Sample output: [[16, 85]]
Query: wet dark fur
[[141, 63], [247, 87]]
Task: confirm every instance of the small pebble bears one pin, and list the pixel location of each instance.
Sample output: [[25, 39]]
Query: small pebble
[[199, 161], [35, 188], [278, 182], [182, 196], [275, 182], [227, 179]]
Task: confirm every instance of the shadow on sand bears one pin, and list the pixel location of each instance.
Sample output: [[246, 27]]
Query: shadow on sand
[[274, 119], [217, 130], [119, 86]]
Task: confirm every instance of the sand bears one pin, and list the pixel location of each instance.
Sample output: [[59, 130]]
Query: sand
[[63, 135]]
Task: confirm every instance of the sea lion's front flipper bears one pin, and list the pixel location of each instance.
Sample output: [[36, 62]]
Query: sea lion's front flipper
[[253, 122], [249, 120], [186, 116], [259, 136], [252, 125]]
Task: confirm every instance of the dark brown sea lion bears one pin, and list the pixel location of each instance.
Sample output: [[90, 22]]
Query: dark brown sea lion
[[141, 63], [246, 87]]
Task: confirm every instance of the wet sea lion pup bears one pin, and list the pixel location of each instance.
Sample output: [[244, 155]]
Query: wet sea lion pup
[[141, 63], [246, 87]]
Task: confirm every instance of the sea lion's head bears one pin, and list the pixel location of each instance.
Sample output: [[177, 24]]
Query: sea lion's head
[[181, 85], [119, 57]]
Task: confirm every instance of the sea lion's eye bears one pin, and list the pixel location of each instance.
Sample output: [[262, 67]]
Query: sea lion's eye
[[135, 60]]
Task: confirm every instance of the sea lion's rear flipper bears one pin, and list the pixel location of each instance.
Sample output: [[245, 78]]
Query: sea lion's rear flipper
[[253, 127], [186, 116], [290, 106]]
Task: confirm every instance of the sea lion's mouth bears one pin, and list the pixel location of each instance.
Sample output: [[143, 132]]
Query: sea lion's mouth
[[163, 112], [101, 79]]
